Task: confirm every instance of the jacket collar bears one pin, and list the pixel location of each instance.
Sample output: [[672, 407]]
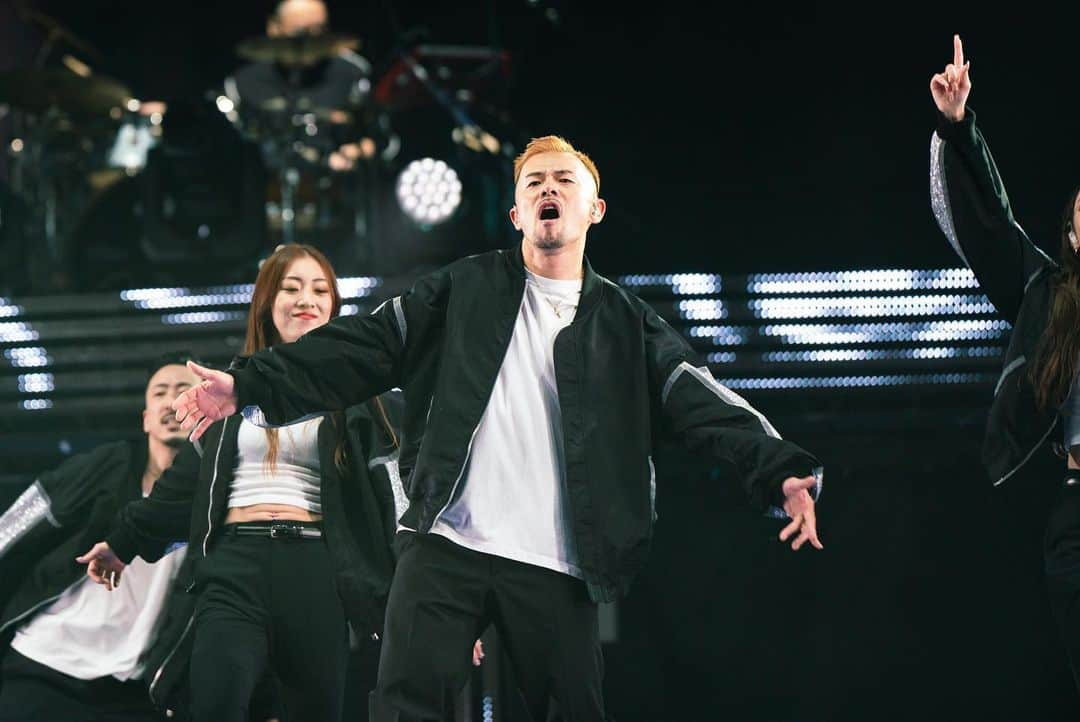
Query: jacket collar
[[592, 285]]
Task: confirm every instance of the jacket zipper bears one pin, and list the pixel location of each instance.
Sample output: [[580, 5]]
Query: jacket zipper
[[468, 449], [213, 480], [40, 604], [168, 658], [464, 464], [1031, 453]]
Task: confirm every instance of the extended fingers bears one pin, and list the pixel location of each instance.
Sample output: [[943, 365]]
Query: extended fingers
[[791, 528], [805, 523], [200, 428]]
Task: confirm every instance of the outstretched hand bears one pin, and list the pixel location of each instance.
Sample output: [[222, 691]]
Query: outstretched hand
[[799, 505], [951, 87], [102, 565], [211, 400]]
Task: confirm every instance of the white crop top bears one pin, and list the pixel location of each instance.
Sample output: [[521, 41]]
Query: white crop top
[[295, 479]]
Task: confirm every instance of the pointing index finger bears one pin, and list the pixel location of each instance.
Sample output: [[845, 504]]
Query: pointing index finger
[[958, 51]]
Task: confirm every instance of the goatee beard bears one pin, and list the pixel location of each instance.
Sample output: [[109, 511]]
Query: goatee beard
[[175, 442], [551, 244]]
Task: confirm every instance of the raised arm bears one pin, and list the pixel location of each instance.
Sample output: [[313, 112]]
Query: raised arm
[[968, 196]]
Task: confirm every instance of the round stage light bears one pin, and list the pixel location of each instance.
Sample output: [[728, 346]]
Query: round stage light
[[428, 191]]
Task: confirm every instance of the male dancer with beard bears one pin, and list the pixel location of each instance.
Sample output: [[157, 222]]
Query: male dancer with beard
[[69, 650], [535, 391]]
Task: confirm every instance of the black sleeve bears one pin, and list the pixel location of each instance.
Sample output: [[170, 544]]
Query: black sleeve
[[146, 527], [711, 418], [64, 494], [345, 362], [972, 209]]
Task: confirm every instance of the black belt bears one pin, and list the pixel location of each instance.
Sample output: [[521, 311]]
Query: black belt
[[276, 529]]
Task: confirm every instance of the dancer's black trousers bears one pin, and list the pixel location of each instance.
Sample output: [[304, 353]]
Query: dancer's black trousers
[[268, 602], [442, 598], [33, 692]]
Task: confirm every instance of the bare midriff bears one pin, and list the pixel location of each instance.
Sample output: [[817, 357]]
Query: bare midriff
[[269, 512]]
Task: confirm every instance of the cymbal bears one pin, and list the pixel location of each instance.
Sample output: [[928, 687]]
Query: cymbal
[[38, 89], [296, 50], [54, 30]]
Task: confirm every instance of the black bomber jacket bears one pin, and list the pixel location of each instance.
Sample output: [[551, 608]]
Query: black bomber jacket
[[972, 209], [61, 515], [626, 380]]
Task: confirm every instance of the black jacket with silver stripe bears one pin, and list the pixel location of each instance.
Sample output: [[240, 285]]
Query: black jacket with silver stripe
[[626, 380], [61, 515], [972, 209]]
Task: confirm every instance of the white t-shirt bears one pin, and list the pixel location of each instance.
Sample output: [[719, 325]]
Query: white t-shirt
[[510, 500], [90, 632]]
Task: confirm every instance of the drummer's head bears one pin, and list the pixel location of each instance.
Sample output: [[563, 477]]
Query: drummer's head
[[297, 17]]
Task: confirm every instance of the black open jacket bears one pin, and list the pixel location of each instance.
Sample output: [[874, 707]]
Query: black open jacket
[[190, 501], [972, 209], [625, 378], [61, 515]]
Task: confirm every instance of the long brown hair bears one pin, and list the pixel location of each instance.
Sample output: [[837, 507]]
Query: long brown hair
[[262, 333], [1055, 364]]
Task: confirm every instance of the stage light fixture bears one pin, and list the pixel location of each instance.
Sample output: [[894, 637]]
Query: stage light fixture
[[428, 191]]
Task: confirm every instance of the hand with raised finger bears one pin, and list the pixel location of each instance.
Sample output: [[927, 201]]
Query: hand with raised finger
[[951, 87], [213, 399], [102, 565], [799, 505]]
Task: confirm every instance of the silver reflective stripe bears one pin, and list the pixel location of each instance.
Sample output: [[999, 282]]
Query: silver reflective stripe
[[1033, 276], [1013, 365], [32, 506], [652, 488], [401, 500], [939, 195], [399, 313], [172, 653], [43, 603], [213, 480], [671, 381], [1023, 461], [819, 480], [723, 392]]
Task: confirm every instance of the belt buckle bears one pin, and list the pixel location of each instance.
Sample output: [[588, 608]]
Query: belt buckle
[[279, 530]]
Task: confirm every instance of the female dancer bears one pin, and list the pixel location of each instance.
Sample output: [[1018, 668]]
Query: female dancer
[[1039, 387], [289, 529]]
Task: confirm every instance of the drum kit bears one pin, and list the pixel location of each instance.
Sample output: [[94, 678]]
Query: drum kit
[[80, 136], [114, 191]]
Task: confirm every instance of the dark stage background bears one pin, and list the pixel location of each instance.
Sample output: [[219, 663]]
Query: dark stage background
[[752, 141]]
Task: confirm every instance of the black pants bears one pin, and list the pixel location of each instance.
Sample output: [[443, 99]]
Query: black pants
[[273, 602], [1061, 554], [33, 692], [443, 596]]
